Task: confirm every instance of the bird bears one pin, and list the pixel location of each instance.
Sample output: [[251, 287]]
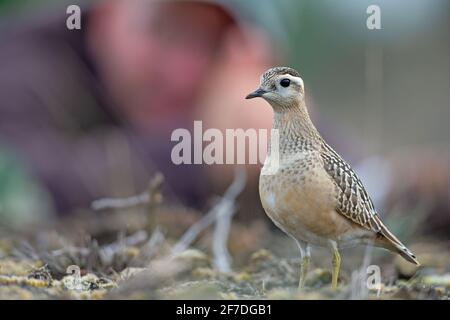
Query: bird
[[307, 189]]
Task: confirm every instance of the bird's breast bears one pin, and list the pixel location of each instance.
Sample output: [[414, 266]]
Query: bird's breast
[[300, 199]]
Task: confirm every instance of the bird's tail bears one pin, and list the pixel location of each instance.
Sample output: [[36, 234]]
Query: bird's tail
[[392, 243]]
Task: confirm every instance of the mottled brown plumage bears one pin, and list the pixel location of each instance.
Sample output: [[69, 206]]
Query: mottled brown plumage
[[314, 195]]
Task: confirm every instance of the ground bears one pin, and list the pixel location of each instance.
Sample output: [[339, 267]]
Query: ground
[[110, 261]]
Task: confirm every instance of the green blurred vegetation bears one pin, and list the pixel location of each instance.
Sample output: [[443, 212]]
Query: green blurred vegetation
[[9, 5], [22, 200], [12, 7]]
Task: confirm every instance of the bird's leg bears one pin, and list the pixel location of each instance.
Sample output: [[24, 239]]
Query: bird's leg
[[304, 267], [336, 265], [305, 257]]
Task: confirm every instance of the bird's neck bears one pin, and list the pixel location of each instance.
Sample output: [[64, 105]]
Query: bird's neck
[[294, 124]]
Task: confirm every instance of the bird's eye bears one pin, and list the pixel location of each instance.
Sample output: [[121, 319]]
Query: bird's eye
[[285, 83]]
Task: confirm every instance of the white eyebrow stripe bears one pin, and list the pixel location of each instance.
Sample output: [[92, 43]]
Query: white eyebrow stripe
[[297, 80]]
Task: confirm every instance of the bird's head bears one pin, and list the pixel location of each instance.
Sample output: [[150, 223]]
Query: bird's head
[[282, 87]]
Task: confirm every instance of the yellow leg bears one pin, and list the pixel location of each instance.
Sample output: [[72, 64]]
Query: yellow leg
[[305, 254], [304, 266], [336, 266]]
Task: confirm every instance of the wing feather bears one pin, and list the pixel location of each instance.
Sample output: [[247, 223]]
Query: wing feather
[[353, 200]]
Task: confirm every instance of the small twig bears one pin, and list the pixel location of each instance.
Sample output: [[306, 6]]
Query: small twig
[[220, 237], [191, 234], [222, 209], [120, 203], [130, 241], [152, 196], [226, 211], [358, 283]]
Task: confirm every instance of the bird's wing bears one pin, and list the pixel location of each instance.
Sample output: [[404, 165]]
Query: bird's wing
[[353, 200], [355, 204]]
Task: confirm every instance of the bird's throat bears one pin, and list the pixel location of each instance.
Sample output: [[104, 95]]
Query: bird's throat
[[295, 123]]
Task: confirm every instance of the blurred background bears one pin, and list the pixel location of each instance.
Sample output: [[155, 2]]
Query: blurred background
[[87, 114]]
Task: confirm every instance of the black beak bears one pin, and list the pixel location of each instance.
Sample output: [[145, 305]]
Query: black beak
[[255, 94]]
